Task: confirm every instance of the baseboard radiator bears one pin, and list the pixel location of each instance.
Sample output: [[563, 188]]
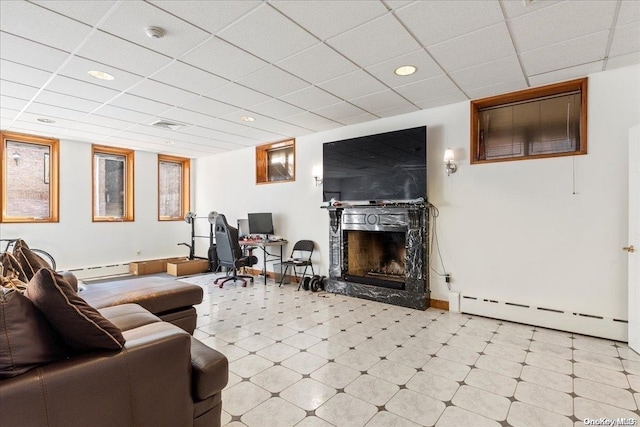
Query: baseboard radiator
[[581, 323], [101, 271]]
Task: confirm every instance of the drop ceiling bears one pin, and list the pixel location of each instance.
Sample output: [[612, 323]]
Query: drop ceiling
[[295, 67]]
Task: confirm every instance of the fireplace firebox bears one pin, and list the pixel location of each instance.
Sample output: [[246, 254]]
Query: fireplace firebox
[[380, 253]]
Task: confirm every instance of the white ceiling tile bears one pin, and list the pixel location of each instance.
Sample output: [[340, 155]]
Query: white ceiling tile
[[122, 114], [517, 8], [352, 85], [494, 72], [88, 11], [426, 68], [396, 111], [59, 122], [358, 119], [629, 12], [623, 60], [211, 16], [339, 111], [238, 95], [626, 39], [273, 81], [374, 42], [566, 74], [463, 52], [185, 116], [216, 134], [107, 122], [317, 64], [560, 22], [153, 132], [14, 72], [268, 34], [12, 103], [438, 102], [311, 98], [574, 52], [142, 105], [329, 18], [40, 129], [235, 126], [312, 121], [398, 4], [78, 69], [95, 129], [192, 134], [62, 85], [223, 59], [435, 87], [132, 18], [17, 90], [436, 21], [189, 78], [210, 107], [54, 112], [107, 49], [276, 127], [276, 109], [34, 23], [66, 101], [8, 115], [498, 89], [161, 92], [30, 53], [380, 101]]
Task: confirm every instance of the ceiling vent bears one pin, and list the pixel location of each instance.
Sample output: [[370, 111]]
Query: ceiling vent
[[165, 124]]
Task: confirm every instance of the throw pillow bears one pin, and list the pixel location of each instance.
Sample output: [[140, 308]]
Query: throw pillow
[[27, 340], [29, 260], [79, 324], [12, 265]]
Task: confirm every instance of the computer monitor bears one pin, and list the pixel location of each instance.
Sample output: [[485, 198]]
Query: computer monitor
[[243, 228], [260, 223]]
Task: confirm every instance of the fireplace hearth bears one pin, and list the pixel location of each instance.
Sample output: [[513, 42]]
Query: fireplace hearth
[[380, 253]]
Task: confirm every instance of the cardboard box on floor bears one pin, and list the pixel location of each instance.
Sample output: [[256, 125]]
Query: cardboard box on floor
[[153, 266], [187, 267]]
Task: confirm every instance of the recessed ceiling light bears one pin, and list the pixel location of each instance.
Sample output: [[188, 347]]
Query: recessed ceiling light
[[101, 75], [154, 32], [248, 119], [44, 120], [405, 70]]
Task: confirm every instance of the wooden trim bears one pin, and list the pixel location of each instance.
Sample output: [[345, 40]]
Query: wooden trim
[[525, 95], [186, 185], [262, 160], [439, 304], [54, 175], [129, 182]]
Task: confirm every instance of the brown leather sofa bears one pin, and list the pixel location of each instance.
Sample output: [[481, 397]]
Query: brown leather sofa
[[162, 377]]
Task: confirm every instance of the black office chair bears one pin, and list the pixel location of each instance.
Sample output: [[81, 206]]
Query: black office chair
[[229, 252], [300, 257]]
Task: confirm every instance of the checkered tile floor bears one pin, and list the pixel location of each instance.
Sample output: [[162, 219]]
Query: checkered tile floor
[[316, 359]]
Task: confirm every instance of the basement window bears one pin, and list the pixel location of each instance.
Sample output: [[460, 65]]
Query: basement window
[[173, 187], [275, 162], [542, 122], [112, 184]]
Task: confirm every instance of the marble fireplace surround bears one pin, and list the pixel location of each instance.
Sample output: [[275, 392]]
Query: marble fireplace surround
[[411, 219]]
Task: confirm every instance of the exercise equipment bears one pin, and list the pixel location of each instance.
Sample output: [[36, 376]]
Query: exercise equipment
[[190, 218]]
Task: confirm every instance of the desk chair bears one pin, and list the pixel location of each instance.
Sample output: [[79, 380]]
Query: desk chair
[[229, 252], [300, 257]]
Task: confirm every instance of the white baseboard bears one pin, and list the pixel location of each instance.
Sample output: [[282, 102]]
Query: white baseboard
[[100, 271]]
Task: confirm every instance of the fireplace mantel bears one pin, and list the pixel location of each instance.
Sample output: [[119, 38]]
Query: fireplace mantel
[[410, 219]]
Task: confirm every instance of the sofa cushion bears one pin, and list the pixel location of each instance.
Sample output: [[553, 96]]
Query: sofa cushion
[[210, 370], [128, 316], [29, 260], [27, 340], [79, 324], [11, 264]]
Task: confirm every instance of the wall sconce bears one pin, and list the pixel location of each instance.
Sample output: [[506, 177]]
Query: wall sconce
[[16, 157], [317, 174], [448, 161]]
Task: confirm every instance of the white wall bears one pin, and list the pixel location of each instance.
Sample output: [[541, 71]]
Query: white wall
[[512, 231], [77, 242]]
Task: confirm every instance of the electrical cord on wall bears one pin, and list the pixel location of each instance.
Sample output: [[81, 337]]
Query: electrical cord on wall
[[433, 235]]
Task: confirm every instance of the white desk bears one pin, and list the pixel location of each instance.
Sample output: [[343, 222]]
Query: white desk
[[267, 256]]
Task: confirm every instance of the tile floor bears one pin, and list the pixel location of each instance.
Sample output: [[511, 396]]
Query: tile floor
[[311, 360]]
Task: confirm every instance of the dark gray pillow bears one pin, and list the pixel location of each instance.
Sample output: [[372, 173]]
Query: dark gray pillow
[[79, 324]]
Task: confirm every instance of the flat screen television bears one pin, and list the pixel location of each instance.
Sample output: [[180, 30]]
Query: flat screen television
[[260, 223], [385, 166]]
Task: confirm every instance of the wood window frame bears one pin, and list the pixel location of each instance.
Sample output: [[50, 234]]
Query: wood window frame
[[262, 164], [129, 183], [529, 95], [54, 176], [186, 187]]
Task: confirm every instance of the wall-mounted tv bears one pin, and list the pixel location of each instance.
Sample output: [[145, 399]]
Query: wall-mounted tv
[[386, 166]]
